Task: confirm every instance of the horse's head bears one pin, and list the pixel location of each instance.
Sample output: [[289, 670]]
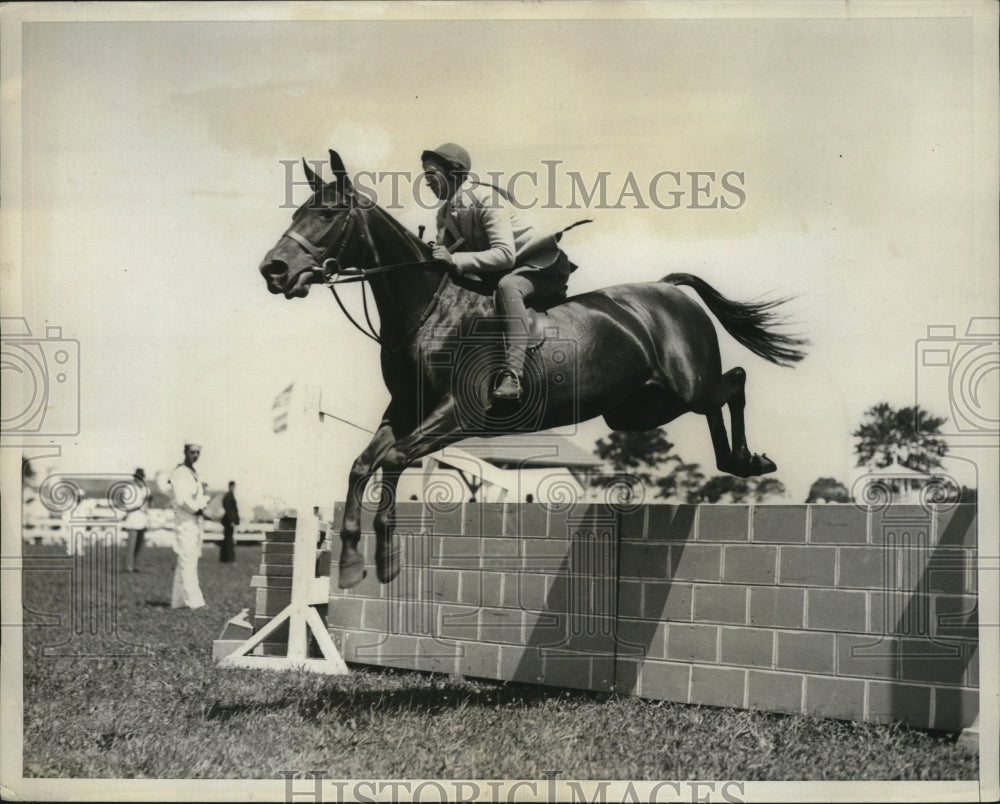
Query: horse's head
[[321, 229]]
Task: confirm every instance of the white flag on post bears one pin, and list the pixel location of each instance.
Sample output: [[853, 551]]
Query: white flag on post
[[279, 410]]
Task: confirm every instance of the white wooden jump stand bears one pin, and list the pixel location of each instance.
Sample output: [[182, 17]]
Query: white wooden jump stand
[[304, 425], [308, 591]]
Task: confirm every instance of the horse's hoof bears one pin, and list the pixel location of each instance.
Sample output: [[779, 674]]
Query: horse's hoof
[[736, 468], [352, 570], [388, 558], [762, 465]]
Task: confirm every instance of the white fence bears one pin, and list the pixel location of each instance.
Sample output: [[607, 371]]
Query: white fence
[[159, 534]]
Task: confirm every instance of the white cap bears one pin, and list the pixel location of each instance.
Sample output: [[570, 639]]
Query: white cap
[[192, 443]]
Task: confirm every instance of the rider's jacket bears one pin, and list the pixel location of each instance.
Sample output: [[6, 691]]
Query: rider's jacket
[[490, 236]]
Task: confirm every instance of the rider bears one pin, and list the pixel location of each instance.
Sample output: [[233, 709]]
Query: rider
[[479, 233]]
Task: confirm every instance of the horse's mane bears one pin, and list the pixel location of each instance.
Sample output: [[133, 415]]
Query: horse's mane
[[422, 253]]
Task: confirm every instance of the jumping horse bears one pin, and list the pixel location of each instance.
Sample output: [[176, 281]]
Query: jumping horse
[[640, 355]]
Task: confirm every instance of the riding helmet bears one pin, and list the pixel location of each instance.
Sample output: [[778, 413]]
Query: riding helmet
[[450, 154]]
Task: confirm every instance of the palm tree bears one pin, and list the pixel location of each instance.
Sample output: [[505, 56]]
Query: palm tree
[[635, 458], [683, 481], [906, 436]]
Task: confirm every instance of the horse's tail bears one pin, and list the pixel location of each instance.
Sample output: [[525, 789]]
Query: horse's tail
[[750, 323]]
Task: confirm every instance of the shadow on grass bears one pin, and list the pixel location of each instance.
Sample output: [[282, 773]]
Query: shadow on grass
[[373, 690]]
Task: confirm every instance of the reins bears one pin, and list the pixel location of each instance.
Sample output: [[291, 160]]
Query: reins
[[345, 276], [363, 276], [334, 275]]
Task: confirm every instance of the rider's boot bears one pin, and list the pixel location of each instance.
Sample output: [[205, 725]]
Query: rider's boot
[[516, 323], [508, 388]]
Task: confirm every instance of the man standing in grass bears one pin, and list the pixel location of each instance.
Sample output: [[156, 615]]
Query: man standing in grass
[[189, 500], [230, 519], [135, 523]]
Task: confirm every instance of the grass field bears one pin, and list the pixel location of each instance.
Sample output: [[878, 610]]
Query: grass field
[[173, 714]]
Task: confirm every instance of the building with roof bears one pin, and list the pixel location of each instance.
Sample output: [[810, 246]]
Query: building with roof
[[905, 485]]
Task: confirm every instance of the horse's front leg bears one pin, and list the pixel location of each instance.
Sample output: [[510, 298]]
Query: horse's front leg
[[352, 562], [438, 430]]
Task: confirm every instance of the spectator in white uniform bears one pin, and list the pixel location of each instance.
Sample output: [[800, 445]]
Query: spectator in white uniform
[[189, 503]]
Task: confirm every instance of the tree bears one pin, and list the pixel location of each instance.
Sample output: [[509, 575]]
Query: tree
[[635, 459], [730, 489], [683, 482], [641, 460], [828, 490], [634, 454], [764, 488], [907, 436], [736, 489]]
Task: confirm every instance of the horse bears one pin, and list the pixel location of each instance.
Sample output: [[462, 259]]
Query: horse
[[640, 354]]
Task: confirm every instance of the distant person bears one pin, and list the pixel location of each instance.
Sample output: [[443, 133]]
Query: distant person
[[189, 500], [136, 522], [230, 519], [322, 526], [322, 548]]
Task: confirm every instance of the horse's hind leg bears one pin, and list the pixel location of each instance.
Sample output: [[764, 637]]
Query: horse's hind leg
[[649, 406], [736, 460], [720, 440], [734, 383]]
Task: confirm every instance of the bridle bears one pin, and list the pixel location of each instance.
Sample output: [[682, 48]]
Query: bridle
[[317, 252], [334, 273]]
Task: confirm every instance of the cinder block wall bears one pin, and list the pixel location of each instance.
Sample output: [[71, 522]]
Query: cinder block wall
[[828, 610], [273, 585]]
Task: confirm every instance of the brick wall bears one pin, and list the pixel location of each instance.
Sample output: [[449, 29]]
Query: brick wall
[[821, 609]]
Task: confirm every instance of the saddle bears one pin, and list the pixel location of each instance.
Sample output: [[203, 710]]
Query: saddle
[[539, 328]]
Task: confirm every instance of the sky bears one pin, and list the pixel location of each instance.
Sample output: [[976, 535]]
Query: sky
[[153, 181]]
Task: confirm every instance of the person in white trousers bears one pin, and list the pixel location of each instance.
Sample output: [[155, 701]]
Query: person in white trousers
[[189, 503]]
